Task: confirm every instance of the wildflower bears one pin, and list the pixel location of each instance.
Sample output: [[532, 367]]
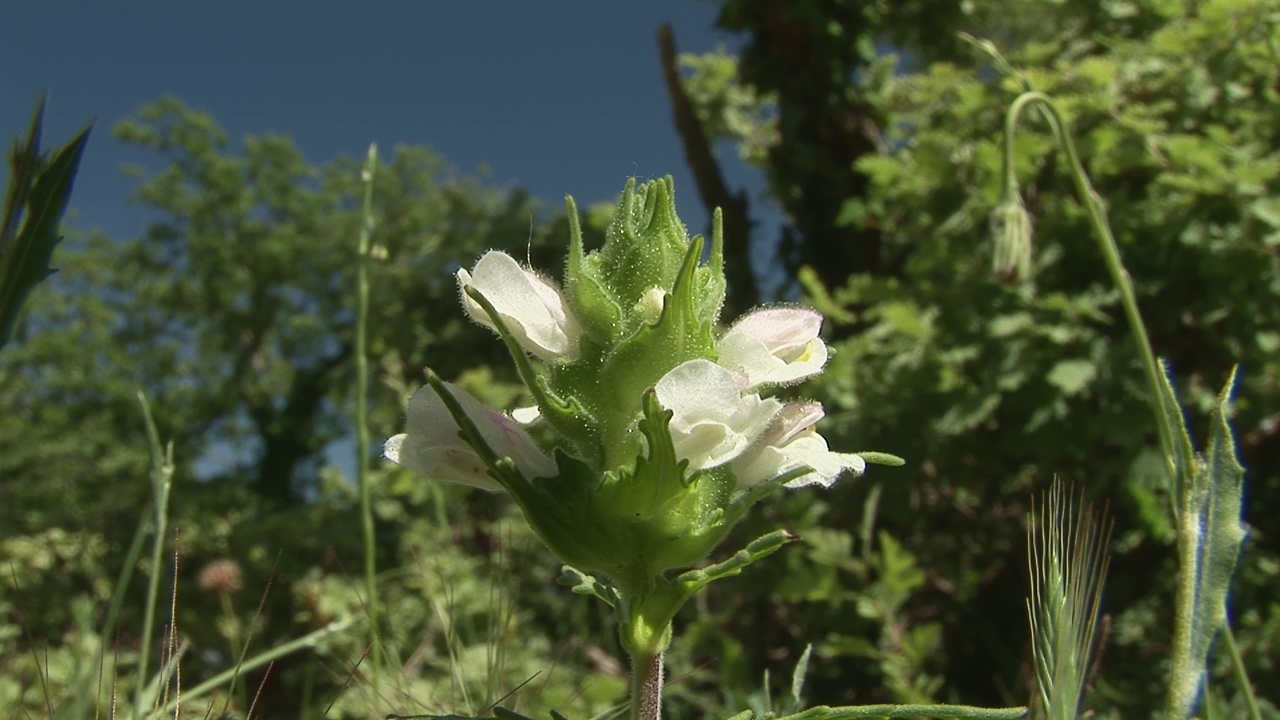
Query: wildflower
[[530, 305], [662, 440], [434, 446], [792, 442], [712, 421], [221, 576], [774, 346]]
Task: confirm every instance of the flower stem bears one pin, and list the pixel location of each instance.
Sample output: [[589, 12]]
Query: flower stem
[[646, 686], [1176, 468], [362, 404], [1110, 253], [1237, 665]]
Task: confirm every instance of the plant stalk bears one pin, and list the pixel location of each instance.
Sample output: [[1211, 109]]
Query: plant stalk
[[646, 686], [1110, 252], [161, 484], [1185, 597], [1237, 666], [362, 411]]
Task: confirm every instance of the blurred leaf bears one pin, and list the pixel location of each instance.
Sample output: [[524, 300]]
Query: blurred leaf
[[38, 193], [1072, 376]]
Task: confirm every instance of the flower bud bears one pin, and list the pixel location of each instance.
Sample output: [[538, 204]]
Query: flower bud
[[1011, 228]]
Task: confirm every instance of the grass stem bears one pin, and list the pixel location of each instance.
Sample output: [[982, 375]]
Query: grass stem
[[161, 484], [362, 419]]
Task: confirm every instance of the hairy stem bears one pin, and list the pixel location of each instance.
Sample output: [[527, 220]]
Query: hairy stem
[[646, 686]]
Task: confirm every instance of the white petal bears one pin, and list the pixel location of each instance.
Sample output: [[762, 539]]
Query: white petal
[[433, 445], [712, 422], [811, 449], [530, 305], [790, 442], [774, 346], [526, 416]]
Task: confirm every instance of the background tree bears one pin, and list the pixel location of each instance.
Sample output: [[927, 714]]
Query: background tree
[[879, 133], [233, 311]]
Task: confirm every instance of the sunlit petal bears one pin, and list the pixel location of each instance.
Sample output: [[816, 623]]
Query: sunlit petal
[[712, 421], [774, 346], [530, 305]]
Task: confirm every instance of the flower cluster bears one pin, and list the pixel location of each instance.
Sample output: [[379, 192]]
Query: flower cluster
[[664, 437]]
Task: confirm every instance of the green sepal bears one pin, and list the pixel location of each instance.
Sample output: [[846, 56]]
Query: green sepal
[[645, 246], [711, 284], [587, 293], [566, 513], [676, 516], [639, 361]]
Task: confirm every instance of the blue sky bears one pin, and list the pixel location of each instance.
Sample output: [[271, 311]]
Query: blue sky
[[560, 98]]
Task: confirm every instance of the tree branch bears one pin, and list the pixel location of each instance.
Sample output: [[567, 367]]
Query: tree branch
[[743, 291]]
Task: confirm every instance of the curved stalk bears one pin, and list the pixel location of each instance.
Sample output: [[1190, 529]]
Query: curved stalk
[[1106, 242], [1179, 458]]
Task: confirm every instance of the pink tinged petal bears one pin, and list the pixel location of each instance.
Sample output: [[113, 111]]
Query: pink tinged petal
[[530, 305], [774, 346], [433, 445], [790, 442], [712, 422]]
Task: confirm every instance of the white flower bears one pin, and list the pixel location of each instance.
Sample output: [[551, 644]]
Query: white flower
[[530, 305], [712, 421], [433, 445], [774, 346], [790, 442]]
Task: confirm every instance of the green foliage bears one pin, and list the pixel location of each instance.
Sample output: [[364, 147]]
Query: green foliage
[[232, 310], [37, 196], [990, 391]]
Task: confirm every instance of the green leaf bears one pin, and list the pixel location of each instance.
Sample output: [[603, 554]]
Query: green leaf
[[581, 583], [797, 675], [1211, 523], [881, 458], [38, 193], [763, 546], [1072, 376], [1183, 456]]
